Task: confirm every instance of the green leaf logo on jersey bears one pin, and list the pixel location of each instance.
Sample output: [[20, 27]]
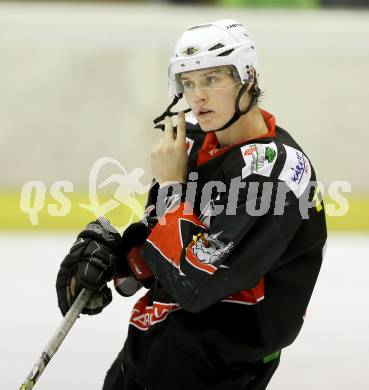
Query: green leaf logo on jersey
[[270, 154], [259, 159]]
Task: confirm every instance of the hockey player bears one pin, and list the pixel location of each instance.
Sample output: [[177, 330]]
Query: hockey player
[[231, 243]]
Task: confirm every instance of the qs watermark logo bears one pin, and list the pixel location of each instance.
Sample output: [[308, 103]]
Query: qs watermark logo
[[128, 186]]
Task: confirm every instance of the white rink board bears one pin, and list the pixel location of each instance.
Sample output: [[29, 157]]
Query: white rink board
[[331, 352]]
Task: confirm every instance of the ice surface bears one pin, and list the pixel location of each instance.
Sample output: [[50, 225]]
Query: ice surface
[[331, 352]]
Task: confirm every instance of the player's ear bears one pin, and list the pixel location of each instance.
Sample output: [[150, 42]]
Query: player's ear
[[245, 99]]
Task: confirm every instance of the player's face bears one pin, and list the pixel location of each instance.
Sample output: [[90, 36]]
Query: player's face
[[211, 93]]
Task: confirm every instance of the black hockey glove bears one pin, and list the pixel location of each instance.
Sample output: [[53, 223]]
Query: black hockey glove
[[93, 260]]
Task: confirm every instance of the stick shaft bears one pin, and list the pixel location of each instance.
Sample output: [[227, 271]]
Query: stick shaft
[[55, 341]]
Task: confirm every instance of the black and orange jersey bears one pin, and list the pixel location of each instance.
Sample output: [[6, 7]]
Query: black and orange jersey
[[235, 260]]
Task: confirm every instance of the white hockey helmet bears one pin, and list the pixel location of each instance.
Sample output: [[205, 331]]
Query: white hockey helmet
[[219, 43]]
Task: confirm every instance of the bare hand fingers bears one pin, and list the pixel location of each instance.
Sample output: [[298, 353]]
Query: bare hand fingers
[[181, 129], [168, 131]]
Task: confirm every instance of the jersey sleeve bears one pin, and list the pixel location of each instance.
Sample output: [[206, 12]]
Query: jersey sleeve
[[200, 263]]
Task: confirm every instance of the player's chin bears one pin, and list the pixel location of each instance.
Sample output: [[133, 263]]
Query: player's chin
[[206, 129], [207, 125]]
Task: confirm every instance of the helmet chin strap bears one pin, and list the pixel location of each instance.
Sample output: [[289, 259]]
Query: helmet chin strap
[[238, 113], [167, 112]]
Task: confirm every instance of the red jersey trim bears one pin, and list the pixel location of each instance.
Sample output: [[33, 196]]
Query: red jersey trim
[[144, 316], [248, 297], [166, 236]]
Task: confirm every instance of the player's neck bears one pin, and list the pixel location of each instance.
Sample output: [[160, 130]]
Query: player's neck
[[249, 126]]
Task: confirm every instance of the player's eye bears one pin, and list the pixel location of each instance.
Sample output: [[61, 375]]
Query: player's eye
[[187, 85], [212, 80]]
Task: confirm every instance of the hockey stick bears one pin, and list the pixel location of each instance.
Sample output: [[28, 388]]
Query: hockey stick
[[54, 343]]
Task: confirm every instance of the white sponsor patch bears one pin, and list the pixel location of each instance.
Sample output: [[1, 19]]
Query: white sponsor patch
[[259, 159], [296, 171]]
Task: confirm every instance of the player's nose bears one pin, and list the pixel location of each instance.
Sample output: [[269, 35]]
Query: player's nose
[[199, 95]]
